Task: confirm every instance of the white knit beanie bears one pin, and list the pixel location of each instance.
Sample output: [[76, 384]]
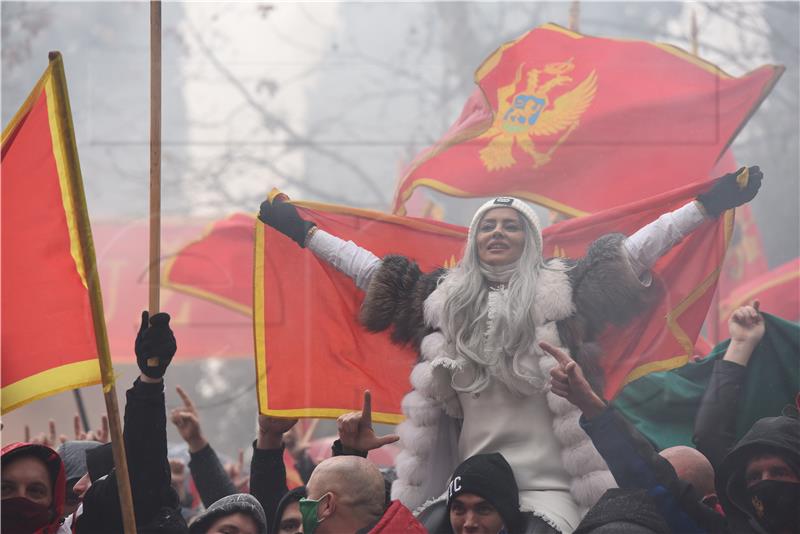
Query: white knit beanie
[[509, 202]]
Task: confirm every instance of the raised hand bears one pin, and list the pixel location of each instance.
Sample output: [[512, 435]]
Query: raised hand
[[50, 438], [567, 381], [355, 429], [731, 190], [235, 471], [187, 421], [155, 346], [101, 435], [283, 216], [746, 326], [271, 431]]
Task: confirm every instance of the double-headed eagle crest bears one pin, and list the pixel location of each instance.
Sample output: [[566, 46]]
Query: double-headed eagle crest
[[522, 116]]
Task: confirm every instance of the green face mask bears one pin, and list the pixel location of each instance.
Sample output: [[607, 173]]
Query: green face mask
[[308, 511]]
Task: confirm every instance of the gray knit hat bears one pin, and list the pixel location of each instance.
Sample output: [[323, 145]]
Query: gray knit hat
[[516, 204], [232, 504], [73, 454]]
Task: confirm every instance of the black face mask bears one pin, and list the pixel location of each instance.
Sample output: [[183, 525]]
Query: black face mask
[[776, 504]]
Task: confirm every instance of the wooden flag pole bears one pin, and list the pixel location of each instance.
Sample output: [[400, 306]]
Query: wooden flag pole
[[96, 299], [154, 271], [693, 33], [155, 159]]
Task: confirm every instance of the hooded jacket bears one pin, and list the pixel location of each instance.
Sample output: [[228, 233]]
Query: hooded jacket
[[57, 478], [780, 435]]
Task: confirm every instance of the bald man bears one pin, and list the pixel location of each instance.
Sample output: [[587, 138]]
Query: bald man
[[691, 466], [347, 494]]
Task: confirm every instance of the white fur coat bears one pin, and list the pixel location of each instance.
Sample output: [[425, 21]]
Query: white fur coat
[[432, 409]]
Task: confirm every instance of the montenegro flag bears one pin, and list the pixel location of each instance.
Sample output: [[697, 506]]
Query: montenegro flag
[[581, 124], [314, 359], [48, 335]]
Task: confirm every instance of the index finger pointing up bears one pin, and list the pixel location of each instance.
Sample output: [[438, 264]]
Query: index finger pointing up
[[561, 357], [185, 398], [366, 412]]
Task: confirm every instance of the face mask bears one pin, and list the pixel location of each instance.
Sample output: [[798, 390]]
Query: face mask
[[776, 504], [308, 511], [23, 515]]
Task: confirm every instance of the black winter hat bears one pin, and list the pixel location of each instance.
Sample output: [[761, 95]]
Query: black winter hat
[[488, 476], [99, 461], [73, 454]]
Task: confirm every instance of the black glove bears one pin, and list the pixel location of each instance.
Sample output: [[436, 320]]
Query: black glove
[[284, 218], [726, 192], [156, 341]]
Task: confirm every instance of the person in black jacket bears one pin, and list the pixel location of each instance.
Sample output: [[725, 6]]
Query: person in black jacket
[[155, 503], [758, 482], [267, 470], [647, 481], [715, 422], [208, 473]]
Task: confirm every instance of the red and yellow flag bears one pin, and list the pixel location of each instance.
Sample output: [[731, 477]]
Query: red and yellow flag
[[48, 337], [580, 124], [664, 336], [219, 265], [778, 290], [313, 358], [746, 258]]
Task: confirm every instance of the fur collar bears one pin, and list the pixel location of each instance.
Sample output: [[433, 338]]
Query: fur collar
[[552, 301]]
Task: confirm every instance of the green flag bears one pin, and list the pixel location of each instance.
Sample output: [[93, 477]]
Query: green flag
[[662, 406]]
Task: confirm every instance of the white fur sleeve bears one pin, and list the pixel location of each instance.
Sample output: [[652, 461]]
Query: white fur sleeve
[[357, 263], [654, 240]]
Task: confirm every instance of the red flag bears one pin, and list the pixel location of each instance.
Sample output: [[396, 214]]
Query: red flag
[[293, 478], [219, 265], [663, 337], [777, 289], [746, 258], [203, 328], [314, 360], [744, 261], [580, 124], [49, 340]]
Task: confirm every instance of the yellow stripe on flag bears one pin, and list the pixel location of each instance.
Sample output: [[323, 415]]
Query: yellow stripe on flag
[[50, 382]]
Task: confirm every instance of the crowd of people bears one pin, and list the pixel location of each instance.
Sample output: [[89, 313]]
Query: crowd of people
[[505, 432]]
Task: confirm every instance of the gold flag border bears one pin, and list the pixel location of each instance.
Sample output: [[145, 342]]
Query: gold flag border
[[259, 296], [403, 194], [83, 372]]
